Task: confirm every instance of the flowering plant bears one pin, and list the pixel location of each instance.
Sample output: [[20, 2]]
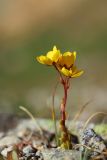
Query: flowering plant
[[64, 63]]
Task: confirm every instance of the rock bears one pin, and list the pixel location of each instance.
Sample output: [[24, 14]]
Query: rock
[[29, 152], [91, 139], [39, 155], [9, 140], [35, 146], [59, 154], [23, 132], [6, 150], [29, 149]]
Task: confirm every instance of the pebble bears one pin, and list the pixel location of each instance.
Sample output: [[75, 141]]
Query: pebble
[[9, 140], [91, 139], [29, 149], [32, 153], [24, 131], [6, 150], [60, 154]]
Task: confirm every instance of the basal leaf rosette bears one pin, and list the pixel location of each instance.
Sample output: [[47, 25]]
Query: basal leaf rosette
[[50, 58]]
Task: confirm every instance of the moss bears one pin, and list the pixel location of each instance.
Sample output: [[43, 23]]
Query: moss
[[101, 129]]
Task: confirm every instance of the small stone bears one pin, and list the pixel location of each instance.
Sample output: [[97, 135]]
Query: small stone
[[91, 139], [9, 140], [30, 153], [39, 145], [28, 149], [6, 150], [24, 133], [59, 154]]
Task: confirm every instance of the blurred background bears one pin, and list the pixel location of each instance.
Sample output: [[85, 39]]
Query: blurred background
[[29, 28]]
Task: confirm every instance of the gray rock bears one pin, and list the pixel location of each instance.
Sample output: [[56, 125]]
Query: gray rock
[[91, 139], [24, 130], [59, 154], [9, 140], [28, 149], [6, 150]]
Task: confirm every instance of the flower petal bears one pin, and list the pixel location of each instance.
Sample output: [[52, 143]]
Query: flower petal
[[54, 48], [66, 72], [54, 55], [67, 60], [67, 54], [74, 54], [44, 60], [77, 74]]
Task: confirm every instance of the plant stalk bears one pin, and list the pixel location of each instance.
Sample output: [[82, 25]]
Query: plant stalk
[[65, 136]]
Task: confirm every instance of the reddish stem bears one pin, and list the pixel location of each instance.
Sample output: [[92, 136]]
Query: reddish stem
[[65, 138], [64, 100], [65, 82]]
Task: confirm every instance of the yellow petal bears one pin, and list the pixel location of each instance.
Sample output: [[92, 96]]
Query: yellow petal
[[67, 54], [67, 60], [44, 60], [74, 69], [54, 48], [66, 72], [74, 54], [77, 74], [54, 55]]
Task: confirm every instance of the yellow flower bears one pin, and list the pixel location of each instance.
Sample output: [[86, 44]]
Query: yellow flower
[[72, 72], [50, 58], [67, 59], [63, 62]]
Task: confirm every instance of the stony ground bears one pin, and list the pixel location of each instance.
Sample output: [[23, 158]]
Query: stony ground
[[35, 140]]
